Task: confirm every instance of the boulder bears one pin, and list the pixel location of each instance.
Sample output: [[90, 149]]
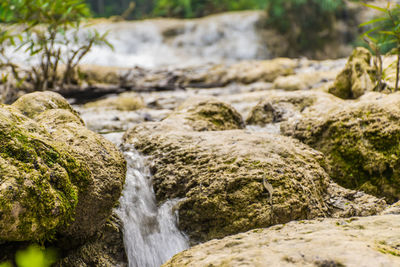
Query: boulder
[[122, 102], [360, 141], [206, 114], [357, 77], [231, 181], [57, 177], [245, 72], [369, 241], [277, 106], [303, 81], [105, 248]]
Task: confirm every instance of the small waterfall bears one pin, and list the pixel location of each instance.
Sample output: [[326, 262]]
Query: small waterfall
[[226, 37], [150, 233]]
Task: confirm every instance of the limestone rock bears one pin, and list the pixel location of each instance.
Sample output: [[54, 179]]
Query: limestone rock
[[105, 163], [206, 114], [361, 142], [51, 172], [369, 241], [357, 76], [122, 102], [33, 104], [105, 248], [303, 81], [40, 180], [279, 106], [234, 180]]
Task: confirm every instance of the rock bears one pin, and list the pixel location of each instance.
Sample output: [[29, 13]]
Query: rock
[[105, 248], [206, 114], [245, 72], [233, 180], [303, 81], [40, 180], [105, 163], [33, 104], [277, 106], [369, 241], [357, 76], [51, 171], [392, 209], [361, 142], [122, 102]]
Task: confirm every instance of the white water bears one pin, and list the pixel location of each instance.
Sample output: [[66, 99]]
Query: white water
[[220, 38], [150, 233]]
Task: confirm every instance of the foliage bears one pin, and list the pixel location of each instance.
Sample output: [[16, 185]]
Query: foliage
[[48, 31], [384, 37], [306, 23], [172, 8], [33, 256], [198, 8]]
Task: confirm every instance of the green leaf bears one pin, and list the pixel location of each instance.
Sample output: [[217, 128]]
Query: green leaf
[[373, 21], [376, 8]]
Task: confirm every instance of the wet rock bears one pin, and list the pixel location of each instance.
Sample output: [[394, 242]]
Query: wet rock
[[361, 142], [105, 248], [52, 175], [234, 180], [370, 241], [357, 77]]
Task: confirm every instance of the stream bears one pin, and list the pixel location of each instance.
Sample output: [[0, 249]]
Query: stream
[[150, 233]]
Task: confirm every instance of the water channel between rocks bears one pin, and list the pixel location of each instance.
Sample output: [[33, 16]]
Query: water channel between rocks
[[151, 236]]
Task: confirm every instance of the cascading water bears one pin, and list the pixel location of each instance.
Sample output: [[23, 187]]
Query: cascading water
[[227, 37], [150, 233]]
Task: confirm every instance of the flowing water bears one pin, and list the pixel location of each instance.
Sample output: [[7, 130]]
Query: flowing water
[[151, 236], [152, 43]]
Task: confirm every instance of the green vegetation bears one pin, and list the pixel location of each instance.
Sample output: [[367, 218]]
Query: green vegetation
[[49, 32], [383, 37], [33, 256], [171, 8], [306, 23]]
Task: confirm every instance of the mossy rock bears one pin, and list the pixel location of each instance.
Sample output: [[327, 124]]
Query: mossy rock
[[231, 181], [33, 104], [122, 102], [219, 175], [206, 114], [40, 181], [362, 144], [282, 106], [51, 176], [357, 77]]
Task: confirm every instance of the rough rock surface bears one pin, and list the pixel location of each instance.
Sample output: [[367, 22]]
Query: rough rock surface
[[369, 241], [279, 106], [122, 102], [357, 76], [303, 81], [361, 142], [206, 114], [234, 180], [104, 249], [56, 176]]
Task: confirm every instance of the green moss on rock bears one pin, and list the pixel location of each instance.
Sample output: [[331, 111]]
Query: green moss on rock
[[357, 77], [39, 182], [362, 144], [52, 179]]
